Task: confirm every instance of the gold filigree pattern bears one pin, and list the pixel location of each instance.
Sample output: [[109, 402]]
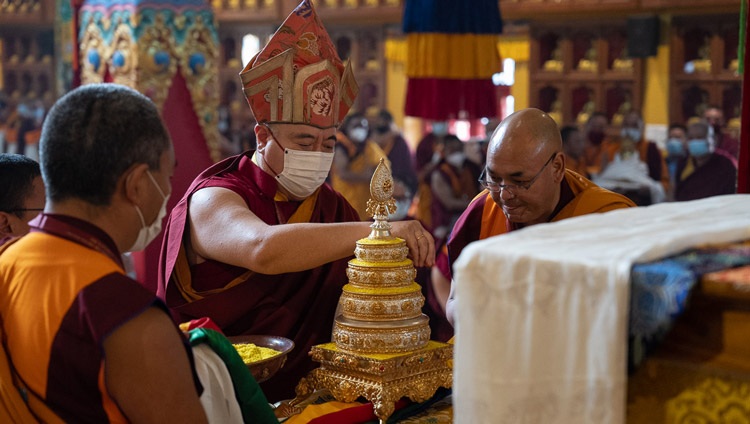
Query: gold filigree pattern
[[199, 58], [381, 346], [369, 308], [382, 202], [93, 55], [381, 340], [392, 253], [712, 401], [383, 277], [146, 46], [158, 61], [123, 57], [380, 380]]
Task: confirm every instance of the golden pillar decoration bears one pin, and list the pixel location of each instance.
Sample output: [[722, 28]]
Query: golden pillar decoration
[[158, 61], [93, 55], [199, 58], [142, 44], [123, 58]]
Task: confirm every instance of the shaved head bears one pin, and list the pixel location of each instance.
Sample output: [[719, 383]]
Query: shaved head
[[528, 131], [524, 154]]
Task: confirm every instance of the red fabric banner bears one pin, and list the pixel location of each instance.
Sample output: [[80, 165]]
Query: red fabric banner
[[442, 99]]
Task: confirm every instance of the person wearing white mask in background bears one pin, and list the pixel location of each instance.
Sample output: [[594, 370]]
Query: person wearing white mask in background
[[354, 162], [260, 242], [703, 173], [427, 156], [675, 151], [625, 159], [453, 185]]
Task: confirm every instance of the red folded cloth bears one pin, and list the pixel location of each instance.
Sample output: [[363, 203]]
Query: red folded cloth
[[204, 322]]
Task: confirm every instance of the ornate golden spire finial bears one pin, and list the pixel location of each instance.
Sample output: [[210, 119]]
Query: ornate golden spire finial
[[382, 202]]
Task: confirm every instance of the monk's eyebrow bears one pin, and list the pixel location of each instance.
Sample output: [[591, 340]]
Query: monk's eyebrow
[[302, 136], [494, 175]]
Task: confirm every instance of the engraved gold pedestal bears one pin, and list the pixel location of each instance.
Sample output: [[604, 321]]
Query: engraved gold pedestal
[[382, 379]]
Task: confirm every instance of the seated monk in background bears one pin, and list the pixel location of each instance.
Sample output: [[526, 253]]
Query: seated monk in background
[[22, 194], [526, 183], [259, 243]]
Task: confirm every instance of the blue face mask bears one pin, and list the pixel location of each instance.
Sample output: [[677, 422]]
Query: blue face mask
[[439, 128], [697, 147], [631, 133], [675, 147]]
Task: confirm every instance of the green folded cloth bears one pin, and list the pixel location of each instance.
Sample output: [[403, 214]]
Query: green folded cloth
[[252, 401]]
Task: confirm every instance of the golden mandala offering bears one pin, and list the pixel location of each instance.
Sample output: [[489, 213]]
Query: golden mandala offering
[[381, 306], [381, 348]]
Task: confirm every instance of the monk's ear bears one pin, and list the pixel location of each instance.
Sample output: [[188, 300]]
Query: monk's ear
[[558, 165], [6, 224], [134, 183], [262, 134]]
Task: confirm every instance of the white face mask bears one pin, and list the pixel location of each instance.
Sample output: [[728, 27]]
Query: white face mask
[[359, 134], [148, 233], [304, 172], [456, 159]]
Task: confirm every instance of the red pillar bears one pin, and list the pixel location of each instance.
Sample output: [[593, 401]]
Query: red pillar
[[743, 170]]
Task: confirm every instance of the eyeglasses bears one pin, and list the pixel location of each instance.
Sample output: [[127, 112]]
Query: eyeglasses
[[515, 188]]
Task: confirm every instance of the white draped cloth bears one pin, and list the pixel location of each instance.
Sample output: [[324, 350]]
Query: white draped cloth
[[541, 313], [629, 173], [218, 398]]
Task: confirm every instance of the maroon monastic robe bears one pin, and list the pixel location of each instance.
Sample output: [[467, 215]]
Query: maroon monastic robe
[[298, 305], [716, 177]]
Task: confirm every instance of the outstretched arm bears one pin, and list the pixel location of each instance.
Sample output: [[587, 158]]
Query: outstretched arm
[[222, 228]]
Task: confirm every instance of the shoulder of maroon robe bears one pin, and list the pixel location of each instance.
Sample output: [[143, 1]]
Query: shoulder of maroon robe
[[716, 177], [467, 228], [175, 226]]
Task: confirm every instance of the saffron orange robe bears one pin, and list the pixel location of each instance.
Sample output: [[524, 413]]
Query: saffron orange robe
[[576, 165], [484, 218], [296, 305], [360, 159], [64, 292]]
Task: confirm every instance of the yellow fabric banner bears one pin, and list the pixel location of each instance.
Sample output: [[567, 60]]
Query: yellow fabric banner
[[452, 56]]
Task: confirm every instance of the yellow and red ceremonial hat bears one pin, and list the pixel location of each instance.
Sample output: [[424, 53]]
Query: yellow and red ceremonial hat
[[298, 77]]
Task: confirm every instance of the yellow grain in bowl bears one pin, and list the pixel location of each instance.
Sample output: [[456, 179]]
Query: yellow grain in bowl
[[251, 353]]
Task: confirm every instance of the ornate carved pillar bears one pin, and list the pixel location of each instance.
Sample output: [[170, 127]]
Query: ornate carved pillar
[[145, 44], [168, 50]]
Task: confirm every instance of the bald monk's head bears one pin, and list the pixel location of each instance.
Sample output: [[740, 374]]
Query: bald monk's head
[[525, 166]]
